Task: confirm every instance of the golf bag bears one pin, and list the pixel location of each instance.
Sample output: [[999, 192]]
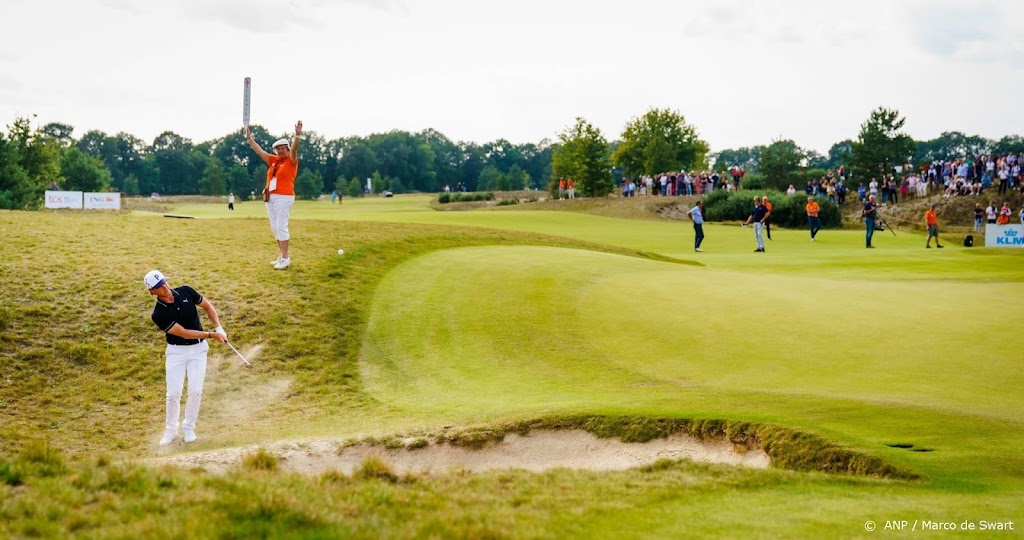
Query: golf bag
[[969, 241]]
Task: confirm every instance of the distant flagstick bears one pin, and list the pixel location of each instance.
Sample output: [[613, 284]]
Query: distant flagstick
[[245, 102]]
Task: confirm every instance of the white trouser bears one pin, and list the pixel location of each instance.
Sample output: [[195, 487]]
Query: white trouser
[[182, 359], [279, 208], [759, 234]]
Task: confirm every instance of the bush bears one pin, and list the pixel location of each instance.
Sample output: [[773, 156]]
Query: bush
[[472, 196], [787, 211], [508, 202], [753, 181]]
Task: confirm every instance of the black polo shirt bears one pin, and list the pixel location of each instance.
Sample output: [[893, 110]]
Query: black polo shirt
[[182, 311], [869, 209], [759, 212]]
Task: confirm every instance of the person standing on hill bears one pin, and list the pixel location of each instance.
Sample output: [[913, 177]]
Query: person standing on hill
[[571, 184], [931, 220], [231, 201], [175, 314], [696, 214], [979, 217], [279, 192], [1004, 214], [990, 212], [812, 216], [870, 212]]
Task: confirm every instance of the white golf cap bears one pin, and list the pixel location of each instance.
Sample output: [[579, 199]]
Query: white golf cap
[[281, 142], [154, 279]]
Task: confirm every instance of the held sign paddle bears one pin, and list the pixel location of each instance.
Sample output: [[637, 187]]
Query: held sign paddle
[[245, 102]]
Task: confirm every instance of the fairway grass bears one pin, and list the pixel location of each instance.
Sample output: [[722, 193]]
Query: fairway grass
[[435, 319]]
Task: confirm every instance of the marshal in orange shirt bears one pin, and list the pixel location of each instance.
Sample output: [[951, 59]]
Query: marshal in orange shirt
[[812, 209], [931, 218], [285, 172]]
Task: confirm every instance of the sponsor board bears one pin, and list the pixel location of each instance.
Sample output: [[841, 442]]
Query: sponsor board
[[103, 201], [63, 199], [1004, 235]]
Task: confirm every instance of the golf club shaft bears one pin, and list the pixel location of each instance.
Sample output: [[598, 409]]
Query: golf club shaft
[[238, 353]]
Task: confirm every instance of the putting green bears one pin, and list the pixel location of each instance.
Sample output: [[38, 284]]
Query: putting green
[[514, 331], [837, 253]]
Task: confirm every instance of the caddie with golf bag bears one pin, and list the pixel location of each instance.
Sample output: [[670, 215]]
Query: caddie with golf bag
[[176, 315]]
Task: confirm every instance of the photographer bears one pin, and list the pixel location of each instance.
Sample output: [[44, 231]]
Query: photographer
[[870, 213]]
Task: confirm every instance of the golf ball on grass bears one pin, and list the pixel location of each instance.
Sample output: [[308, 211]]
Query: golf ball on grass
[[341, 252]]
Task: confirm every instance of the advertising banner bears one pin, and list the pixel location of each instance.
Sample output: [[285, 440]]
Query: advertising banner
[[1004, 235], [104, 201], [63, 199]]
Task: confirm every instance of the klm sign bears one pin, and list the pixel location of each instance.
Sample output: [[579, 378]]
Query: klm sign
[[1004, 236]]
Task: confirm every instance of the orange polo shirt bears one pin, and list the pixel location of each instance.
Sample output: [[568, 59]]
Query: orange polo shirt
[[931, 218], [812, 209], [286, 172]]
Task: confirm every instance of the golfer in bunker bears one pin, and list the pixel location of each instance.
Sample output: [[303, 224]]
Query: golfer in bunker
[[176, 315]]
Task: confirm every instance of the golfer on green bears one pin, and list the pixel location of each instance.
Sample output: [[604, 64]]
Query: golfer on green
[[175, 313]]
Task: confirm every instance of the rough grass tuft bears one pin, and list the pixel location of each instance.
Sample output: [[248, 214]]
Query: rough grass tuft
[[373, 467], [11, 474], [260, 460]]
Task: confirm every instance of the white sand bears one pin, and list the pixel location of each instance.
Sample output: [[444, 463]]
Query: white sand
[[540, 450]]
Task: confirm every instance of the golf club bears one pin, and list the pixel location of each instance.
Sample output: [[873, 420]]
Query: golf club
[[238, 353]]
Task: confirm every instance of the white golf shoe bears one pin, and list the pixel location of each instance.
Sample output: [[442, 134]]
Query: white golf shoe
[[190, 436], [275, 261], [282, 264], [169, 436]]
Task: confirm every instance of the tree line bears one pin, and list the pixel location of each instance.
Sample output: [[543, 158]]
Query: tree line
[[33, 160], [661, 140]]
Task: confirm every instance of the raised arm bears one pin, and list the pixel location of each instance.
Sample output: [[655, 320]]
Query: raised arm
[[256, 147], [295, 142]]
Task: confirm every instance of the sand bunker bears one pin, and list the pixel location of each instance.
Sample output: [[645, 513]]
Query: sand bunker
[[538, 451]]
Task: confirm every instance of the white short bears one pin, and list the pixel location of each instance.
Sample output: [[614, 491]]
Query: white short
[[279, 209]]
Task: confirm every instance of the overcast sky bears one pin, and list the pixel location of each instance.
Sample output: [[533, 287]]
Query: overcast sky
[[743, 72]]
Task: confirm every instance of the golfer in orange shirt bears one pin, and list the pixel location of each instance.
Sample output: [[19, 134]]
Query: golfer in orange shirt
[[812, 216], [932, 221]]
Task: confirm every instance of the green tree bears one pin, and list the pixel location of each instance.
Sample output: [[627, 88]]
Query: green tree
[[176, 172], [780, 163], [447, 157], [516, 179], [130, 185], [354, 188], [37, 154], [1009, 143], [583, 155], [747, 158], [213, 181], [659, 141], [59, 132], [473, 163], [17, 191], [491, 178], [951, 145], [880, 145], [82, 172], [239, 181], [840, 154], [309, 185]]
